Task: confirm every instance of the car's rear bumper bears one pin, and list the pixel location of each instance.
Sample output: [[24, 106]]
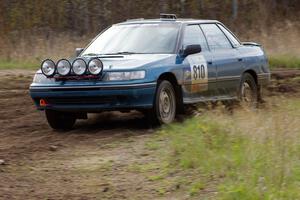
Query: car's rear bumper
[[94, 98]]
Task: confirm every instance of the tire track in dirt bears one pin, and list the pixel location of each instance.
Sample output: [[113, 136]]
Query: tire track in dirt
[[90, 162]]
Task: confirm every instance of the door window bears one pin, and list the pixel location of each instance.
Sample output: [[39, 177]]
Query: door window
[[215, 37], [194, 35]]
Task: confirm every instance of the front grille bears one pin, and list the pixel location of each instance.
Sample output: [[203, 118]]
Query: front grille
[[87, 77]]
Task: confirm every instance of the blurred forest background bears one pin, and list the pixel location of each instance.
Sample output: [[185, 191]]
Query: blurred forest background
[[31, 30]]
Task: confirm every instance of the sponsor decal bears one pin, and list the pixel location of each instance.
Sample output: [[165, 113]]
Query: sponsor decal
[[199, 73]]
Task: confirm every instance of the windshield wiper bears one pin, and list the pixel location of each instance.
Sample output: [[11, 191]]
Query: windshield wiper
[[91, 54], [116, 53], [122, 53]]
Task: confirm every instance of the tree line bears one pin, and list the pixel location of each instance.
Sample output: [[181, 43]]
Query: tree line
[[90, 16]]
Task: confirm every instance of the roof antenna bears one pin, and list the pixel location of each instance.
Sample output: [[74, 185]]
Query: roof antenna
[[167, 16]]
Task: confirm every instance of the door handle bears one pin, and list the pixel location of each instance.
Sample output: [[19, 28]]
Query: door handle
[[209, 62], [240, 59]]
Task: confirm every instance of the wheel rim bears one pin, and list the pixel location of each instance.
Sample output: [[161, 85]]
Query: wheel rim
[[247, 94], [248, 98], [166, 105]]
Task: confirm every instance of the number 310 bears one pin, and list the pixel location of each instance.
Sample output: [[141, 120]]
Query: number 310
[[199, 71]]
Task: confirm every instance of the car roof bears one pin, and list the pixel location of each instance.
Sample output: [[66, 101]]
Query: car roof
[[163, 20]]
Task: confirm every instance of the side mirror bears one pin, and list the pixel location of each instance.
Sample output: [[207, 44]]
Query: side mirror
[[78, 51], [191, 49]]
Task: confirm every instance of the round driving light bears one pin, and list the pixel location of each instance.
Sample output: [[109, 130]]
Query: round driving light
[[95, 66], [63, 67], [48, 67], [79, 66]]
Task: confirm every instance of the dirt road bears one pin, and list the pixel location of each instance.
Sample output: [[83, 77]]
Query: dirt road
[[99, 159]]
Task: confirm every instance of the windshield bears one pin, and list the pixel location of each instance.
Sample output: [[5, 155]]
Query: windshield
[[135, 38]]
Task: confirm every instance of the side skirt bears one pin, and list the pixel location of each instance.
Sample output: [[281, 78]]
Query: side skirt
[[206, 99]]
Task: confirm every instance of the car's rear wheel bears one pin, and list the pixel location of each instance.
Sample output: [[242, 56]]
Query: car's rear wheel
[[60, 120], [248, 94], [164, 109]]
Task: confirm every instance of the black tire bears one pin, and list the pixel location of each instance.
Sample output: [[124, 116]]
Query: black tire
[[60, 120], [164, 109], [248, 92]]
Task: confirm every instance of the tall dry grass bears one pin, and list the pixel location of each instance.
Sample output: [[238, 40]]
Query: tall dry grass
[[279, 40], [33, 48]]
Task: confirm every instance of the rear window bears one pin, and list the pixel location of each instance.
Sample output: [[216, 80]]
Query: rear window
[[231, 37]]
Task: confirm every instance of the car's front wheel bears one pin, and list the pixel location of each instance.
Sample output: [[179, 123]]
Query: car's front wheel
[[60, 120], [164, 109]]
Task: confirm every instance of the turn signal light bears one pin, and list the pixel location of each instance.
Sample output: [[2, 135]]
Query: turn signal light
[[43, 102]]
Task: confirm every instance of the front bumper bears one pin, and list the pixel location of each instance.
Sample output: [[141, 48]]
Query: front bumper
[[94, 98]]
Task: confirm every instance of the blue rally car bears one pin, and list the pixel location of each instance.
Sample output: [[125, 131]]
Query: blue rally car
[[154, 66]]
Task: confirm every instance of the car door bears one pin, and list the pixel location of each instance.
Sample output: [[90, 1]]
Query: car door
[[226, 60], [199, 73]]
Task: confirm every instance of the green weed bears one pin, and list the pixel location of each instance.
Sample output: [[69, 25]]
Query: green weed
[[284, 61], [250, 155]]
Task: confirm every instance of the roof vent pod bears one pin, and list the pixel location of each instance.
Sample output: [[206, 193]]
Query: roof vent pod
[[167, 16]]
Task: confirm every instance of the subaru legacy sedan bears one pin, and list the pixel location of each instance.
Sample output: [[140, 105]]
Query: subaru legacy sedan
[[155, 66]]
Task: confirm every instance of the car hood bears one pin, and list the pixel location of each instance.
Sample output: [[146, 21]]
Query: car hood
[[117, 62]]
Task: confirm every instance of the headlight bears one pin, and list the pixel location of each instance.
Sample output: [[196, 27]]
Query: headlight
[[48, 67], [122, 76], [95, 66], [79, 66], [63, 67]]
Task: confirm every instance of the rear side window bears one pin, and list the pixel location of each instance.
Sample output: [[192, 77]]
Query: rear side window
[[231, 37], [215, 37], [194, 35]]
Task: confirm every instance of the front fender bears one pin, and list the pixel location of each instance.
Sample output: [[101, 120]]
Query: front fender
[[176, 70]]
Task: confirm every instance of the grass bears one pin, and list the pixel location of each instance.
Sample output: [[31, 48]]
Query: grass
[[247, 155], [284, 61], [15, 64]]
